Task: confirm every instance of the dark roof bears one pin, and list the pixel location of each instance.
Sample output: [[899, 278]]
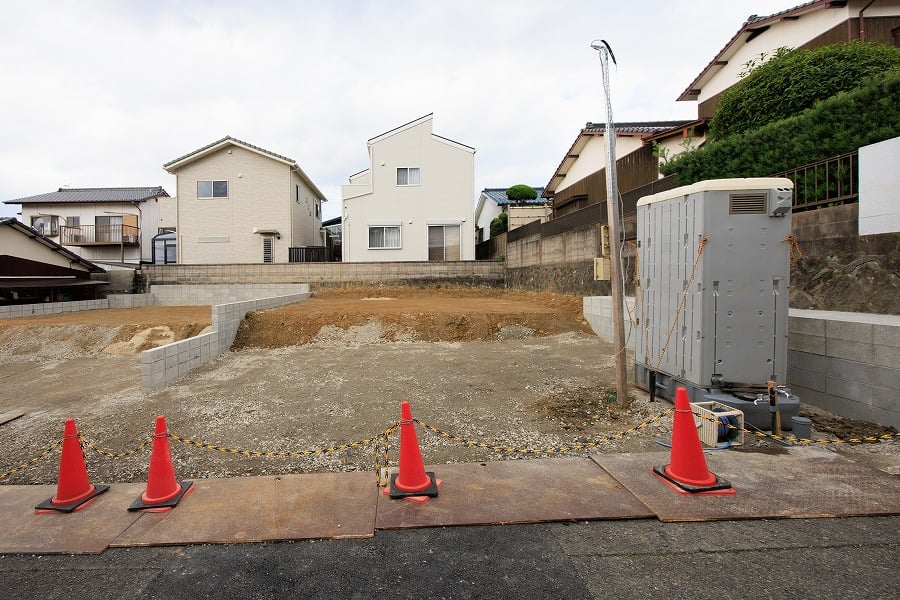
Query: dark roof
[[84, 195], [754, 25], [640, 127], [644, 129], [498, 195], [228, 138], [34, 235], [332, 221]]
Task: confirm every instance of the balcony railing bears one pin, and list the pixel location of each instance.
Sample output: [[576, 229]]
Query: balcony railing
[[99, 235], [825, 183], [307, 254]]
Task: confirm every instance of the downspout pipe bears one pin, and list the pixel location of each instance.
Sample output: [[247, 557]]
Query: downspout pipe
[[862, 26]]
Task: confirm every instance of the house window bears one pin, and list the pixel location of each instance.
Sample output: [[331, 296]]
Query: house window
[[212, 189], [443, 242], [108, 229], [318, 209], [268, 249], [408, 176], [46, 225], [73, 221], [384, 236], [297, 196]]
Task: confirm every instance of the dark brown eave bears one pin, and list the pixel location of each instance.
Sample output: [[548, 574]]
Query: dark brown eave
[[753, 27]]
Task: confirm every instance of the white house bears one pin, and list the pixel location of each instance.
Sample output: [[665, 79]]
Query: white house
[[239, 203], [808, 25], [98, 224], [494, 201], [414, 202]]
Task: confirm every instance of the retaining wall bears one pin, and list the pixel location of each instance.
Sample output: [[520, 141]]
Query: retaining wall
[[162, 365], [201, 294], [53, 308], [466, 272], [847, 363]]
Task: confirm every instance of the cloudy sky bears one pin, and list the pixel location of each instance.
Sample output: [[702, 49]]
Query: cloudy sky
[[102, 93]]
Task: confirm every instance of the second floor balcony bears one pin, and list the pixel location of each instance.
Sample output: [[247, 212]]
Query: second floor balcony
[[99, 235]]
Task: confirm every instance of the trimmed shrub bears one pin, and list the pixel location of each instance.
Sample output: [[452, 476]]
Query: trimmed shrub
[[521, 192], [795, 80], [834, 126]]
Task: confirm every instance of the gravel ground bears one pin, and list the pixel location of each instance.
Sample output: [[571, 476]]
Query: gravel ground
[[527, 376]]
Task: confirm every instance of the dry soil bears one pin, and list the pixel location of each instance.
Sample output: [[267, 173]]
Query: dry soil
[[510, 369]]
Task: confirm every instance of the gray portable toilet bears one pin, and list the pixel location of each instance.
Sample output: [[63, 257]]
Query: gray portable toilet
[[727, 243]]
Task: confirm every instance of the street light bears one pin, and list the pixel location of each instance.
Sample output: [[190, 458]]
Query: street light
[[612, 218]]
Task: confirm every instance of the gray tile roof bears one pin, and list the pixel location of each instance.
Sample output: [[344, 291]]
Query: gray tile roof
[[87, 195], [498, 195], [636, 127], [228, 138]]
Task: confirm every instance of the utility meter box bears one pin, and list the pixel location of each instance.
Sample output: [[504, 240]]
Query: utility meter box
[[714, 263]]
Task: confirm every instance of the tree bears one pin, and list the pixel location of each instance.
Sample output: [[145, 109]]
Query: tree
[[500, 224], [792, 81], [521, 192]]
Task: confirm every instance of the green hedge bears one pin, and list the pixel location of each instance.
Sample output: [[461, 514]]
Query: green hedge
[[795, 80], [837, 125]]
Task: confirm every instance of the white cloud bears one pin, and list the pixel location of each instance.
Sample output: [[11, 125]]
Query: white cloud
[[103, 93]]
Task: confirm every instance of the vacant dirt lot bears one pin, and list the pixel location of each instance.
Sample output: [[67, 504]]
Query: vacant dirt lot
[[513, 369]]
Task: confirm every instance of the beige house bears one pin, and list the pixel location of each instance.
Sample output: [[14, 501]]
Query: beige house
[[239, 203], [99, 224], [414, 202], [809, 25]]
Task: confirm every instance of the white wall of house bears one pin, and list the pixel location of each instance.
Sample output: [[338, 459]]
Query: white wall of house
[[592, 157], [262, 200], [306, 214], [486, 211], [878, 185], [14, 243], [146, 215], [671, 147], [442, 198], [786, 33]]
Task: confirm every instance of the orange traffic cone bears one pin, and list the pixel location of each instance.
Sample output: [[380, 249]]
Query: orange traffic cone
[[687, 472], [73, 489], [412, 480], [163, 490]]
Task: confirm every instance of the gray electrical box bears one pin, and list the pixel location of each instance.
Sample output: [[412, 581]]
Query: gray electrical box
[[725, 242]]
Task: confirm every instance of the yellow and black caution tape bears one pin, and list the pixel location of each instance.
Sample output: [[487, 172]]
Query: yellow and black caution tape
[[46, 452], [885, 437], [278, 453], [577, 447], [110, 453]]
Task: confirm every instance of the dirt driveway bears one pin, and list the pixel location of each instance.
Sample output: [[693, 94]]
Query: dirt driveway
[[511, 369]]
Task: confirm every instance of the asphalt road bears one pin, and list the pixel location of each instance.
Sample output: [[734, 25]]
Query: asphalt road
[[790, 558]]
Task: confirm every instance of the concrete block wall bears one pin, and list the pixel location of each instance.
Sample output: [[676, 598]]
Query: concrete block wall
[[202, 294], [129, 300], [847, 363], [597, 312], [467, 271], [162, 365], [50, 308]]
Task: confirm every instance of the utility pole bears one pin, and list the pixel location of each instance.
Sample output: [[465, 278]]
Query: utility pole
[[612, 217]]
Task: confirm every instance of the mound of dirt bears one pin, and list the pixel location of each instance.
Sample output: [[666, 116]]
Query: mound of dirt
[[412, 314]]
